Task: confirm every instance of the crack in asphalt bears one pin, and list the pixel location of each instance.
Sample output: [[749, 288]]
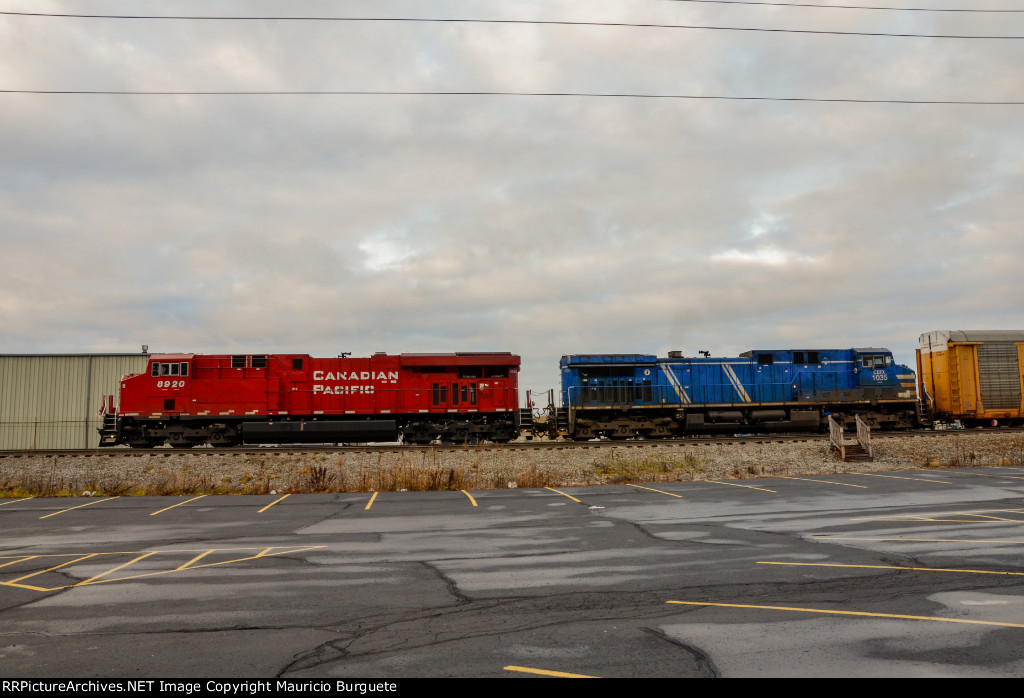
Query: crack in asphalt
[[704, 663], [450, 584]]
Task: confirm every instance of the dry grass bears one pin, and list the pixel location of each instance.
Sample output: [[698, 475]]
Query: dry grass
[[469, 468]]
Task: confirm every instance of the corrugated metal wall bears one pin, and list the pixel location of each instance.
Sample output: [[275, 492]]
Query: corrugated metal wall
[[53, 401]]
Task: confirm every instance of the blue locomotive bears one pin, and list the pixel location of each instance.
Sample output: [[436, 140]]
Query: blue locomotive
[[641, 395]]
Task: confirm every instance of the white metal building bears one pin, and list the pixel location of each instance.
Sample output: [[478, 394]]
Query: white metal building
[[52, 401]]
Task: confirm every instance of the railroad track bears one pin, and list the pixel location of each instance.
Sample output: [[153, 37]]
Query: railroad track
[[740, 439]]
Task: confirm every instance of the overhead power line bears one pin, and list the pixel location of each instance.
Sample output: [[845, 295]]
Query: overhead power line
[[848, 7], [566, 23], [483, 93]]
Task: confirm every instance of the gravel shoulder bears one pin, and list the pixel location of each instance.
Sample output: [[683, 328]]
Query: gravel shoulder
[[124, 472]]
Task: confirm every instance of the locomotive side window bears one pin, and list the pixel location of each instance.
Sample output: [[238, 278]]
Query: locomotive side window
[[259, 362], [798, 357], [237, 362], [455, 393], [160, 369], [472, 393], [812, 357], [876, 362], [765, 359], [296, 364], [464, 394]]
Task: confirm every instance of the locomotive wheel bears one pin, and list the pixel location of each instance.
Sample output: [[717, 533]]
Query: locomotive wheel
[[220, 439]]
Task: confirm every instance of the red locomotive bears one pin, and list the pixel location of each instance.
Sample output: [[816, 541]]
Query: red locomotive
[[189, 399]]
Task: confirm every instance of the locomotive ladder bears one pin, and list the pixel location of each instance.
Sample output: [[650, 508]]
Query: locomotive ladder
[[562, 420], [526, 421], [108, 432]]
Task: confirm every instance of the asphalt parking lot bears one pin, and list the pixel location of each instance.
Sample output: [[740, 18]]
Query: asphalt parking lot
[[913, 573]]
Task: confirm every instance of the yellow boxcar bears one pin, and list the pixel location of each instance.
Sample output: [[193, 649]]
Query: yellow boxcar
[[974, 376]]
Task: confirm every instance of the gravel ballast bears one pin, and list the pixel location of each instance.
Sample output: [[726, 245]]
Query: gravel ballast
[[123, 472]]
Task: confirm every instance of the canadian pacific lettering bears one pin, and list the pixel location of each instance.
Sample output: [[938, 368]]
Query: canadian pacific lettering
[[354, 376]]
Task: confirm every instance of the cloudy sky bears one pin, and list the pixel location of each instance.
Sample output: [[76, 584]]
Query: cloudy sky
[[540, 225]]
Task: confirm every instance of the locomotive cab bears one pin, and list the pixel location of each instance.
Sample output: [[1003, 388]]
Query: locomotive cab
[[164, 389], [880, 377]]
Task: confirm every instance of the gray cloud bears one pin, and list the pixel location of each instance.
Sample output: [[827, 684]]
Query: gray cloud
[[541, 226]]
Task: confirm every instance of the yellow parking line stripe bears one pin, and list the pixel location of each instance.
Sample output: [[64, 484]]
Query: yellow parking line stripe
[[111, 571], [897, 477], [300, 549], [850, 613], [564, 494], [19, 559], [1013, 477], [468, 495], [18, 499], [188, 566], [196, 567], [749, 487], [89, 504], [923, 540], [889, 567], [197, 558], [177, 505], [27, 586], [370, 503], [545, 672], [984, 516], [827, 482], [921, 519], [911, 518], [57, 567], [654, 490], [273, 503]]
